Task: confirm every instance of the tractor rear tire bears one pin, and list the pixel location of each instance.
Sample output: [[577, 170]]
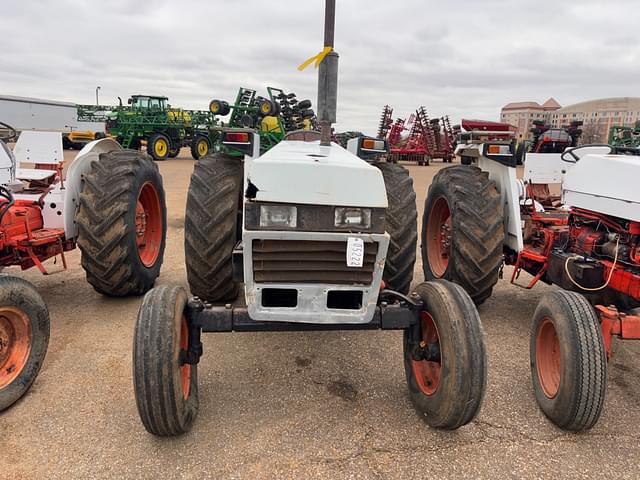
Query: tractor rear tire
[[24, 337], [200, 147], [158, 146], [463, 231], [568, 360], [401, 225], [166, 389], [122, 223], [448, 390], [210, 227]]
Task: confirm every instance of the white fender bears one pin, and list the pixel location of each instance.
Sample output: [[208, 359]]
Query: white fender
[[89, 153]]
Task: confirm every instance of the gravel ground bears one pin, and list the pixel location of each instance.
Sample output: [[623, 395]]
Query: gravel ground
[[295, 405]]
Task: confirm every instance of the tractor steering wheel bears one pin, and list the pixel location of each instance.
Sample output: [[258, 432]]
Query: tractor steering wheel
[[570, 156], [7, 132]]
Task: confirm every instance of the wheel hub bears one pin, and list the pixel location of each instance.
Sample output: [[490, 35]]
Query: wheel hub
[[7, 338], [148, 226], [548, 358], [427, 358], [185, 368], [439, 237], [15, 343]]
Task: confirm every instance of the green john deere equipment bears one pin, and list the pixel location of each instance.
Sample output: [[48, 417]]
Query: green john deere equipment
[[151, 120], [624, 136], [270, 117]]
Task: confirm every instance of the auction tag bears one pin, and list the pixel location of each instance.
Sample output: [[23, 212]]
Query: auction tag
[[355, 252]]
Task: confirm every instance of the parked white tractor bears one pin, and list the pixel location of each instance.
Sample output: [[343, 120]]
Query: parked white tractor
[[585, 238], [308, 236]]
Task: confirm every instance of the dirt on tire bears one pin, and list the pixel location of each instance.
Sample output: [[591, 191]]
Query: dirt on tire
[[401, 225], [210, 232]]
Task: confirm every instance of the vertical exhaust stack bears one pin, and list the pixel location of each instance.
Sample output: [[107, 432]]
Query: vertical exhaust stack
[[328, 78]]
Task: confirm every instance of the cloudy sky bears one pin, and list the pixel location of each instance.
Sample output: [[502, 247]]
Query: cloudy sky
[[464, 58]]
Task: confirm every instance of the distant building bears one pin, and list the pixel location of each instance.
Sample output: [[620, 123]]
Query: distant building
[[522, 114], [598, 116]]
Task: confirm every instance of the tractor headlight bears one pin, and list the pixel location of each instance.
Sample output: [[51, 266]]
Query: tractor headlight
[[285, 216], [352, 217]]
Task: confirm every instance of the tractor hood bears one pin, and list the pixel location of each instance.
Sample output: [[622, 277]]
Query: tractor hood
[[307, 173], [605, 184]]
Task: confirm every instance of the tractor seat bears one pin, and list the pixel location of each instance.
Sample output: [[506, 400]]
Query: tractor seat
[[34, 174], [39, 148]]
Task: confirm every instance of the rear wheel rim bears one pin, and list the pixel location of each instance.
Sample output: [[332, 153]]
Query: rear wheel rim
[[548, 358], [203, 148], [185, 369], [15, 343], [427, 373], [439, 237], [148, 224], [160, 147]]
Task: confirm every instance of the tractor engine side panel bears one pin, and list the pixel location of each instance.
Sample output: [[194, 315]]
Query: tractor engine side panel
[[18, 220]]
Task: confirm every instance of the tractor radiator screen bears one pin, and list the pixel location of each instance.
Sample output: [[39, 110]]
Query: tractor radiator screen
[[303, 261]]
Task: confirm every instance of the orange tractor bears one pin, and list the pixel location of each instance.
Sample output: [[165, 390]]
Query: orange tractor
[[110, 204]]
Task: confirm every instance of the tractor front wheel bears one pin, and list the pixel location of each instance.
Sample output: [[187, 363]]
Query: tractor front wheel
[[568, 360], [210, 226], [122, 223], [444, 357], [158, 146], [462, 230], [165, 385], [24, 337]]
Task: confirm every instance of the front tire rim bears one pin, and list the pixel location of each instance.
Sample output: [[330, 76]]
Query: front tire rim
[[548, 358], [203, 148], [185, 369], [426, 373], [160, 147], [15, 343], [439, 237], [148, 224]]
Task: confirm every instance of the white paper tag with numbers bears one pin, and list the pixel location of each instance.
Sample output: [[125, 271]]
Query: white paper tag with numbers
[[355, 252]]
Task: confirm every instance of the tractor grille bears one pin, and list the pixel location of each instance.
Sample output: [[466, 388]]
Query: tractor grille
[[303, 261]]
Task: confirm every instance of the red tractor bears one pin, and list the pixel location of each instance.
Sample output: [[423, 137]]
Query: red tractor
[[110, 204], [480, 216]]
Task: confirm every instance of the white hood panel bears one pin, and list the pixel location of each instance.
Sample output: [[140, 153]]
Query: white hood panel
[[307, 173]]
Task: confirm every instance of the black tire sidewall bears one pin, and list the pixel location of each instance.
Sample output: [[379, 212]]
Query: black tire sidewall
[[156, 351], [463, 355], [561, 408], [23, 295]]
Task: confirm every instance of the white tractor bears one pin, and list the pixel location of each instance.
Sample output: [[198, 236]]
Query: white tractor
[[110, 204], [308, 236], [573, 220]]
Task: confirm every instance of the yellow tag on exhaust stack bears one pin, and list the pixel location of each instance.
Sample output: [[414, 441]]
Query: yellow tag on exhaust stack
[[316, 58], [355, 252]]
